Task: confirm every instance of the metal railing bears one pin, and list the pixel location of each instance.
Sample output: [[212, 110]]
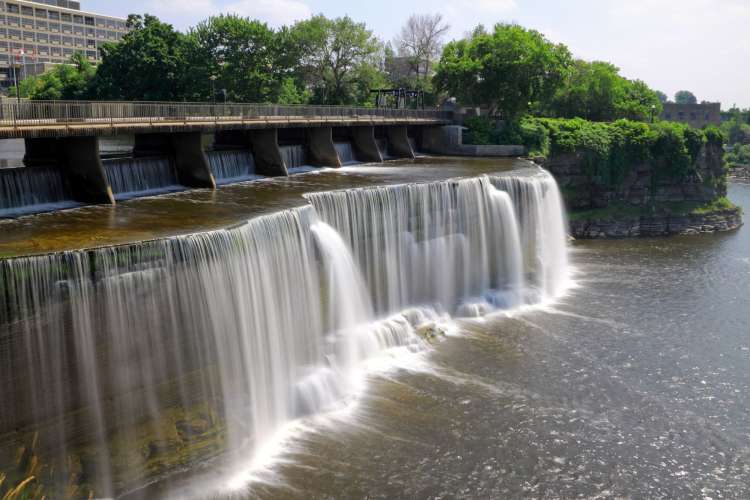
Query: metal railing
[[41, 113]]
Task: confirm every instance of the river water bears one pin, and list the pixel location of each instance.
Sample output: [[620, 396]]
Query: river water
[[634, 382]]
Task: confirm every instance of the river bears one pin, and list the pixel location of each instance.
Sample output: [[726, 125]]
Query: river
[[630, 380], [634, 384]]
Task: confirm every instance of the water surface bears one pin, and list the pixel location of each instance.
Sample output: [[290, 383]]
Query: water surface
[[636, 384]]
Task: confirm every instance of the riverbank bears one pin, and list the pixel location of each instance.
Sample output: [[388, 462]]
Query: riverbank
[[739, 173], [663, 219]]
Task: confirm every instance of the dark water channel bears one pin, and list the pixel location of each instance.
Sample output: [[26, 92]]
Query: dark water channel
[[635, 385]]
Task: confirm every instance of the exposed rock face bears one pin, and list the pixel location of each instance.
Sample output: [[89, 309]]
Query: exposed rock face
[[657, 225], [640, 187], [740, 173]]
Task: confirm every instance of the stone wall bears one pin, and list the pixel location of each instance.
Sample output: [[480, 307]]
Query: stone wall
[[641, 186], [656, 225]]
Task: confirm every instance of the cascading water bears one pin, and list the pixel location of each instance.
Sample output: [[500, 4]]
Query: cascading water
[[382, 143], [132, 177], [129, 360], [32, 189], [345, 152], [232, 166], [294, 158]]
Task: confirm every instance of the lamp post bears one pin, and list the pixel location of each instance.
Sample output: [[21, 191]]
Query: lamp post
[[653, 112], [213, 90]]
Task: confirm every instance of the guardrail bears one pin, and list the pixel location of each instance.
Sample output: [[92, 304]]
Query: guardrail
[[38, 113]]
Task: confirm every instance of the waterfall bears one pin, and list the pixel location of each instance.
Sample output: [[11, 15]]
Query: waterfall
[[382, 143], [32, 189], [345, 152], [294, 158], [133, 177], [232, 166], [148, 357]]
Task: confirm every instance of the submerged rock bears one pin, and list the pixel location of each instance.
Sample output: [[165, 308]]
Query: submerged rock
[[431, 332]]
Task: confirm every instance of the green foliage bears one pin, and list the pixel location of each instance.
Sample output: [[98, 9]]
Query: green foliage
[[739, 155], [596, 91], [338, 59], [611, 150], [64, 81], [481, 130], [685, 97], [150, 63], [622, 211], [506, 69], [246, 58]]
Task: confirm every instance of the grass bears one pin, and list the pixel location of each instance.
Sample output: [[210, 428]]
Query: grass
[[626, 211]]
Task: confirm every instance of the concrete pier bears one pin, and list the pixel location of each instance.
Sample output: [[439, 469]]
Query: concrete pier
[[320, 148], [265, 146], [83, 167], [398, 142], [365, 147]]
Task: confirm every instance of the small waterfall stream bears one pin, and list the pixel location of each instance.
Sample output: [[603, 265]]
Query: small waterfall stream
[[133, 177], [232, 166], [346, 153], [32, 189], [294, 158], [148, 357]]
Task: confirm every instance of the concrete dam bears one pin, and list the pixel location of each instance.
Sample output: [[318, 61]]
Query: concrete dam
[[177, 146]]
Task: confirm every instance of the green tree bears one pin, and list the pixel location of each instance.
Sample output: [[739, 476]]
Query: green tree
[[248, 58], [685, 97], [596, 91], [63, 81], [662, 96], [506, 69], [150, 63], [339, 59]]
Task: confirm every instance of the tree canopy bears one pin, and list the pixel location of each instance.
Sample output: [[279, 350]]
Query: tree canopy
[[338, 59], [596, 91], [64, 81], [685, 97], [507, 69], [150, 64]]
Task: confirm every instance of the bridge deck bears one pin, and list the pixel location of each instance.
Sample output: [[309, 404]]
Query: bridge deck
[[62, 119]]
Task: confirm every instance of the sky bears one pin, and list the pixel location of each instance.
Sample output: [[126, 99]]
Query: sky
[[697, 45]]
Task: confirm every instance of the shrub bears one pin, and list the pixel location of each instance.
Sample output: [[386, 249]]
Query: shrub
[[611, 150]]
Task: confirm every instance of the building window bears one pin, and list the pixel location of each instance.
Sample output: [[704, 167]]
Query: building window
[[66, 40], [14, 34], [54, 15], [78, 30], [27, 11], [13, 8], [54, 39], [89, 21], [27, 23], [78, 19], [101, 34], [54, 27], [13, 21], [41, 25], [66, 17], [42, 38], [28, 36], [40, 13], [67, 28]]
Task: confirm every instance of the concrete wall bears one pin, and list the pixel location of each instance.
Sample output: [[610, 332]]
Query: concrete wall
[[321, 151], [265, 146], [83, 167], [365, 147], [398, 142]]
